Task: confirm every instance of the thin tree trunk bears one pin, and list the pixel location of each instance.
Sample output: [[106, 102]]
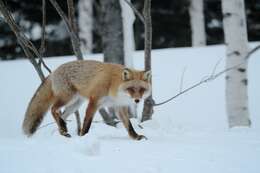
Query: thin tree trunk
[[76, 48], [149, 102], [128, 17], [85, 9], [235, 30], [197, 23], [128, 30]]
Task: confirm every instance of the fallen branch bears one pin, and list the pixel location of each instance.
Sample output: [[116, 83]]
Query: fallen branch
[[212, 77]]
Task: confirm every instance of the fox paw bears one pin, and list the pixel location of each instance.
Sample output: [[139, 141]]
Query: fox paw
[[82, 133], [140, 137], [66, 134]]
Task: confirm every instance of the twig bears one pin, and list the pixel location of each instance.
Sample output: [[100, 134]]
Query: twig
[[182, 78], [48, 124], [137, 13], [215, 67], [252, 51], [211, 77]]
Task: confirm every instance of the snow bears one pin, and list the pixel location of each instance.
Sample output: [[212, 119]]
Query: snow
[[189, 134]]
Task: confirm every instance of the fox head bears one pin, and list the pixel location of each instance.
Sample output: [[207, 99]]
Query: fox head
[[136, 84]]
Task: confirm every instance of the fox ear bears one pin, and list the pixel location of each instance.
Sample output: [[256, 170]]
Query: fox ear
[[148, 76], [126, 74]]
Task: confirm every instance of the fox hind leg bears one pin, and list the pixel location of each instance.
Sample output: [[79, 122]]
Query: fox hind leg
[[71, 108], [56, 113]]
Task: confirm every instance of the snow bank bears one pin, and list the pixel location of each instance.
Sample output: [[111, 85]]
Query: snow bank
[[189, 134]]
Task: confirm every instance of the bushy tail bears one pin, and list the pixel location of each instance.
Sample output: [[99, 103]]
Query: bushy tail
[[38, 107]]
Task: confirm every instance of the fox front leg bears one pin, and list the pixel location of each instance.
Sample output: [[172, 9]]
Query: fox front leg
[[123, 115]]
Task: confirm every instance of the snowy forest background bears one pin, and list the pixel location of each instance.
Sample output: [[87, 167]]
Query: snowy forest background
[[171, 25], [211, 122]]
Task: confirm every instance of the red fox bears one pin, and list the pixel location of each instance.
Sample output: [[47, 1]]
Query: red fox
[[103, 84]]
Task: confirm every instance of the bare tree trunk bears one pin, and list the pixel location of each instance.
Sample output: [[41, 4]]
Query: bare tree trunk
[[76, 48], [112, 31], [197, 23], [128, 30], [235, 30], [149, 102], [128, 17], [85, 10]]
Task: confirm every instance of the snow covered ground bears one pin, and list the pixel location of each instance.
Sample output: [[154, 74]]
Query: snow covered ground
[[189, 134]]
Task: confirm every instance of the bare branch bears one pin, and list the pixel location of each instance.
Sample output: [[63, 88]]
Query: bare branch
[[74, 38], [24, 42], [75, 41], [42, 47], [137, 13], [184, 91], [215, 67], [211, 77], [71, 15], [252, 51]]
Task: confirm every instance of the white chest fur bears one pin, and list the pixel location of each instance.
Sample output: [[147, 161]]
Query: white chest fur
[[120, 100]]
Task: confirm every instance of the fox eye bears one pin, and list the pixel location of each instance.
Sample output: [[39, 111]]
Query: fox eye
[[130, 89], [142, 90]]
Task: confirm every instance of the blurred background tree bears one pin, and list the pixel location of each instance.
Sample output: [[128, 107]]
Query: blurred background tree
[[171, 26]]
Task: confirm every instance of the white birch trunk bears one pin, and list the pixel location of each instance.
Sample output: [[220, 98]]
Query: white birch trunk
[[85, 10], [128, 30], [197, 23], [235, 31]]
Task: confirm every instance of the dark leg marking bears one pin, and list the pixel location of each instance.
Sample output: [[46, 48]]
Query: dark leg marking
[[123, 114], [57, 116], [90, 112]]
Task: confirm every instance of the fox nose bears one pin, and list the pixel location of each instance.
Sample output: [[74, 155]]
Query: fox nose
[[137, 100]]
